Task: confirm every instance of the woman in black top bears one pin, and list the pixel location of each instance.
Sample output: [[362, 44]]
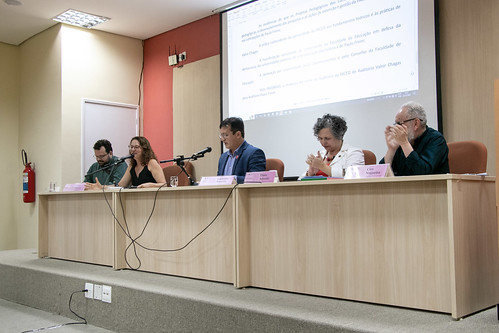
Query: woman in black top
[[144, 169]]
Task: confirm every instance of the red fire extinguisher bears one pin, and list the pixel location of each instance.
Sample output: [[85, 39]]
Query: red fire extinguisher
[[28, 179]]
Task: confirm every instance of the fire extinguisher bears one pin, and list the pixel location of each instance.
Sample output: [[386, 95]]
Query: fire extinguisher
[[28, 179]]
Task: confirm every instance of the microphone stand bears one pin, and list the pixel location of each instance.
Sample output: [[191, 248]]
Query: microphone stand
[[179, 160]]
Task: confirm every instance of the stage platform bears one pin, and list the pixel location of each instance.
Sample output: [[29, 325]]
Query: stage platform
[[148, 302]]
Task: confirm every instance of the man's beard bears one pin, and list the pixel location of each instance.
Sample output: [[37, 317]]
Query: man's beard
[[410, 136]]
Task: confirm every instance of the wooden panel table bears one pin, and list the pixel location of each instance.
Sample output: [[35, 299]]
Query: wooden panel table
[[426, 242], [179, 215], [76, 226]]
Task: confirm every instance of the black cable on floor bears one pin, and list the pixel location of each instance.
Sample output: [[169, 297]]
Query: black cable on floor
[[84, 322]]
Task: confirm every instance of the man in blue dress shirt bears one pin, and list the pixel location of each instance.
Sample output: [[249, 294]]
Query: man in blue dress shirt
[[413, 147], [241, 157]]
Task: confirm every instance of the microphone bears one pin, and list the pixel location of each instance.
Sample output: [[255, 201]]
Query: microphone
[[127, 157], [204, 151]]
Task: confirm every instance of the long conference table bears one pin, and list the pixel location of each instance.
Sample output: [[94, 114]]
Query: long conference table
[[424, 242]]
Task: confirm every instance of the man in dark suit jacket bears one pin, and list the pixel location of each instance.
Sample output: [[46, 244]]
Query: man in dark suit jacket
[[241, 157]]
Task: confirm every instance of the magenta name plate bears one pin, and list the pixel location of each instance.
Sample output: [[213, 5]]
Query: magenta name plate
[[74, 187], [217, 180], [260, 177], [368, 171]]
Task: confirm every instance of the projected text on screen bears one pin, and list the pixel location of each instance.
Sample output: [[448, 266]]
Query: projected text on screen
[[330, 52]]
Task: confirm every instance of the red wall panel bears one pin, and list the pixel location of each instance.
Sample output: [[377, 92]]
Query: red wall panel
[[200, 39]]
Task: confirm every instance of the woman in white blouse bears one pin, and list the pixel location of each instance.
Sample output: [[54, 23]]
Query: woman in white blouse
[[337, 155]]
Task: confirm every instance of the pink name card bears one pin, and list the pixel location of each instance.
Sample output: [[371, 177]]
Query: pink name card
[[217, 180], [74, 187], [261, 177], [368, 171]]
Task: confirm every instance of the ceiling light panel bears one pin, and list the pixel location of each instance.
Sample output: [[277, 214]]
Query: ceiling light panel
[[80, 19]]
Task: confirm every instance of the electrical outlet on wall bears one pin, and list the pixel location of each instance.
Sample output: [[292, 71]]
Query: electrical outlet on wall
[[90, 290], [106, 294]]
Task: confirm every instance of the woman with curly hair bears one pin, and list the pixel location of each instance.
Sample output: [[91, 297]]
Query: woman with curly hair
[[337, 155]]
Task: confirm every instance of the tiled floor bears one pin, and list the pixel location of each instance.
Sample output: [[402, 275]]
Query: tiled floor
[[16, 318]]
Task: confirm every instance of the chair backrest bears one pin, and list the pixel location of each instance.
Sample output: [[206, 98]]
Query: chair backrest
[[276, 164], [369, 157], [467, 157], [174, 170]]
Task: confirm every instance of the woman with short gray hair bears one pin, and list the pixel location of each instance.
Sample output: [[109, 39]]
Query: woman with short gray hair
[[337, 155]]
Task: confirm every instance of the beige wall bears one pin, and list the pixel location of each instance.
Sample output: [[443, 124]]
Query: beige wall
[[469, 58], [11, 166], [197, 99], [98, 66], [56, 69], [39, 121]]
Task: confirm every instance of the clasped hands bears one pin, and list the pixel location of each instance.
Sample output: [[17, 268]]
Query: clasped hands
[[395, 136], [315, 163]]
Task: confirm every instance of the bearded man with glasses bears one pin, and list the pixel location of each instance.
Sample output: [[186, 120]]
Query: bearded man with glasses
[[103, 172], [413, 147]]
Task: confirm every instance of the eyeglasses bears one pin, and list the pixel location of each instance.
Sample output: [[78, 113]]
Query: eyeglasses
[[403, 121], [100, 157], [134, 147], [223, 135]]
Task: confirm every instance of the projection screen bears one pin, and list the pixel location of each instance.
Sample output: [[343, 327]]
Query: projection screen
[[285, 63]]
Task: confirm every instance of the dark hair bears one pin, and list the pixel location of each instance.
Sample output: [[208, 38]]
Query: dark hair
[[147, 152], [103, 143], [235, 123], [337, 125]]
